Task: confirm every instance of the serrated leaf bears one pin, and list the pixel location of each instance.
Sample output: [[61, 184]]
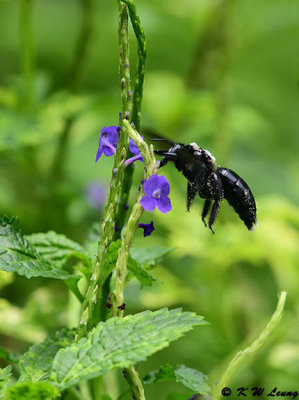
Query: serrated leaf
[[18, 255], [149, 255], [189, 377], [36, 363], [57, 248], [120, 343], [5, 378], [32, 391]]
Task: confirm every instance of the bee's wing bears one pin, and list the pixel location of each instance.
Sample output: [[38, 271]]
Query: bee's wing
[[237, 193]]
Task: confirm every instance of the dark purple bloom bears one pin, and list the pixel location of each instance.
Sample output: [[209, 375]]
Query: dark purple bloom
[[108, 141], [134, 150], [126, 207], [96, 194], [147, 228], [156, 190]]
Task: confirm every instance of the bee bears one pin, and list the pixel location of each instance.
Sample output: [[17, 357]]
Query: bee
[[210, 182]]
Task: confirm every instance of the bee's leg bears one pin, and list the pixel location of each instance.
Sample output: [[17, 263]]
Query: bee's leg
[[205, 210], [213, 214], [191, 193]]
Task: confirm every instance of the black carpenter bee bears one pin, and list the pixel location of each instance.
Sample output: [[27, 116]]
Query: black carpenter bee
[[210, 182]]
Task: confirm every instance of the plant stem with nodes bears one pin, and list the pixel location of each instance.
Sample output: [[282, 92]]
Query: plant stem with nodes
[[93, 294], [147, 153], [136, 106]]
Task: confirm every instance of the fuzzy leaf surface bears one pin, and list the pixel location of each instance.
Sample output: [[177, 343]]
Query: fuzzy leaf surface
[[36, 363], [57, 248], [120, 343]]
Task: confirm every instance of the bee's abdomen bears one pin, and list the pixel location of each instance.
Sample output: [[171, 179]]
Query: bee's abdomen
[[238, 194]]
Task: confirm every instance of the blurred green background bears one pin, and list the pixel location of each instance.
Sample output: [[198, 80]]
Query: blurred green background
[[221, 73]]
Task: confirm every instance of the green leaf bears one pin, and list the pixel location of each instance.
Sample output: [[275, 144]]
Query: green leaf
[[192, 379], [189, 377], [32, 391], [57, 248], [149, 255], [143, 276], [18, 255], [120, 343], [36, 363], [5, 378]]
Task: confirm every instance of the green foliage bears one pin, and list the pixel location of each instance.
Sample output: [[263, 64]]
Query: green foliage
[[57, 248], [119, 343], [36, 363], [32, 391], [5, 378], [18, 255], [189, 377]]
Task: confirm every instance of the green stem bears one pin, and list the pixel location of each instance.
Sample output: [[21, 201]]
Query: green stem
[[131, 374], [140, 70], [132, 225], [242, 356], [93, 294], [136, 388], [136, 106], [27, 50]]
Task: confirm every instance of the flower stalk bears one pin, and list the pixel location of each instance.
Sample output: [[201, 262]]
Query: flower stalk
[[93, 294], [136, 100], [148, 155], [132, 225]]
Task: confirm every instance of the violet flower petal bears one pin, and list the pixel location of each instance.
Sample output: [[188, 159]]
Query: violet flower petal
[[151, 185], [164, 204], [148, 203]]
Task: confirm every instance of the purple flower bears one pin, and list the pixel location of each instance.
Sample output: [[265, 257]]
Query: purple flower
[[147, 228], [96, 194], [134, 150], [108, 141], [156, 190]]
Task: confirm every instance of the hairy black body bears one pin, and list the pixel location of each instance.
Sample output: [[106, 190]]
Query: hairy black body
[[210, 182]]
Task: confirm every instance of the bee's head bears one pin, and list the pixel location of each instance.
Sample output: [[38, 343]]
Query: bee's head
[[168, 154]]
